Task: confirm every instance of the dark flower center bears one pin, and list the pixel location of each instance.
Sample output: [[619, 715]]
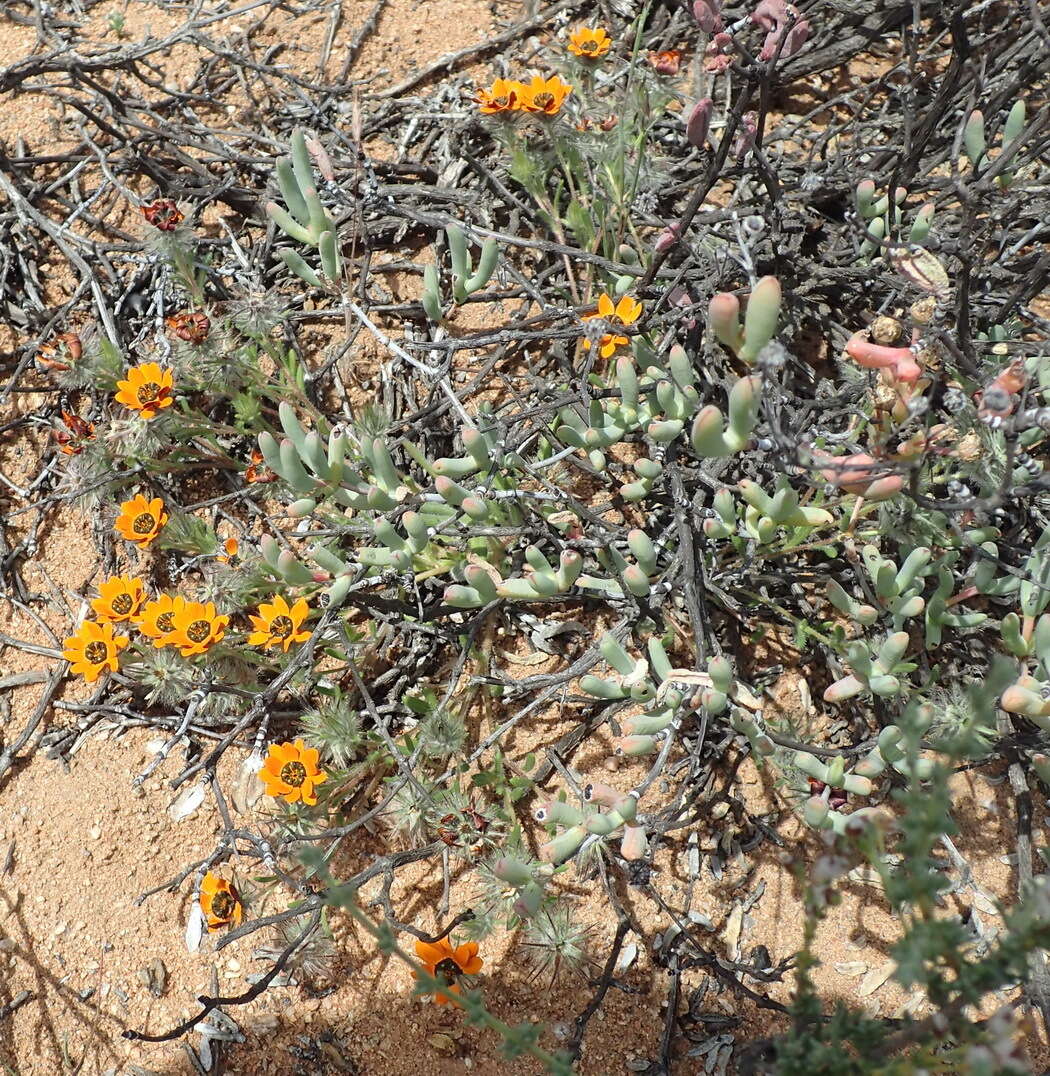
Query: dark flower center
[[199, 630], [96, 652], [293, 773], [448, 970], [589, 46], [222, 905], [144, 524], [544, 100], [148, 393], [164, 621], [121, 604], [281, 626], [500, 102]]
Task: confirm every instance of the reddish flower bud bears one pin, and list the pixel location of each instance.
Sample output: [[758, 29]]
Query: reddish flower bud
[[708, 13], [899, 361], [718, 54], [668, 238], [699, 122], [745, 140]]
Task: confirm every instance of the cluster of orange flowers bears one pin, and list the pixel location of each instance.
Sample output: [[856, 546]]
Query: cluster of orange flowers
[[147, 389], [170, 620], [290, 772], [542, 96]]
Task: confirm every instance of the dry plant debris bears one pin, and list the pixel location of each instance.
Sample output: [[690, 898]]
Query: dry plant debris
[[525, 537]]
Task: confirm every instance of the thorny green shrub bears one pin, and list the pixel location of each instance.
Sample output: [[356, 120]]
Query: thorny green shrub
[[898, 525]]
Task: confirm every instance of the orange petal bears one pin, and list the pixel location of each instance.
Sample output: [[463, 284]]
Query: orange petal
[[283, 752], [430, 953]]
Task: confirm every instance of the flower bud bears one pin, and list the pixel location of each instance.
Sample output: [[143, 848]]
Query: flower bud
[[669, 236], [699, 122], [708, 13]]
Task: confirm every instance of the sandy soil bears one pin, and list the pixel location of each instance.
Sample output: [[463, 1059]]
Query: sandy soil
[[79, 845]]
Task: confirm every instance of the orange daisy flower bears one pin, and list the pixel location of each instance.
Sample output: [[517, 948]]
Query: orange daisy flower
[[147, 389], [140, 521], [196, 626], [219, 902], [119, 598], [544, 95], [94, 649], [443, 962], [290, 772], [157, 619], [589, 43], [626, 312], [504, 95], [279, 624]]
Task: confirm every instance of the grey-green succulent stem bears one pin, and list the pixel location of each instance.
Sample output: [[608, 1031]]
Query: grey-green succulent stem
[[287, 223], [290, 190], [329, 251]]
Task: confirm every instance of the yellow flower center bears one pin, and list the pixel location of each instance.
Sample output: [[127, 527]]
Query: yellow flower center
[[121, 604], [281, 626], [448, 970], [148, 393], [222, 905], [144, 524], [199, 630], [544, 100], [164, 621], [96, 652], [293, 773]]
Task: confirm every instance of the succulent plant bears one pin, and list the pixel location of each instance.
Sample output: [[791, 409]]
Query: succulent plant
[[303, 217]]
